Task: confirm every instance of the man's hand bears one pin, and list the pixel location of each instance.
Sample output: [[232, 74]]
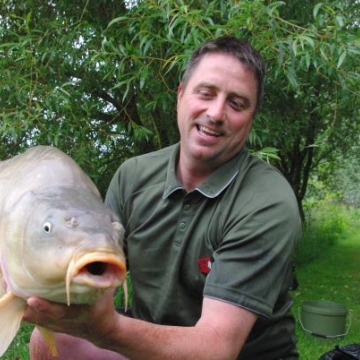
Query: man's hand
[[219, 334], [91, 322]]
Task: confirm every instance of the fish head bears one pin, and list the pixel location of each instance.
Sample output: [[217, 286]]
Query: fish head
[[64, 245]]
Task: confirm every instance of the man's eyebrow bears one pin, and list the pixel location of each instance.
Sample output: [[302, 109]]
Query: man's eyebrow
[[207, 85]]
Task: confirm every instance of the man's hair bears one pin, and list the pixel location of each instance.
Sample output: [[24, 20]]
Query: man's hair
[[241, 49]]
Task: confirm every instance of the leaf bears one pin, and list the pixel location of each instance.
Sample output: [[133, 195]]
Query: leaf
[[294, 47], [316, 9], [308, 60], [291, 76], [267, 153], [117, 20], [309, 40], [341, 59], [340, 21]]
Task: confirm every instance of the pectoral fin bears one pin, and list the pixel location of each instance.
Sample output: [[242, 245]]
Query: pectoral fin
[[11, 313], [49, 339]]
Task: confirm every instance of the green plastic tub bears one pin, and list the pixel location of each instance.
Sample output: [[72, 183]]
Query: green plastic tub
[[323, 318]]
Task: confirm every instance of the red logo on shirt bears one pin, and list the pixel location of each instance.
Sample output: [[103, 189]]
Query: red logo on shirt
[[204, 265]]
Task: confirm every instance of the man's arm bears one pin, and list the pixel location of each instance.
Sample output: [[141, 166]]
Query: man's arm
[[219, 334]]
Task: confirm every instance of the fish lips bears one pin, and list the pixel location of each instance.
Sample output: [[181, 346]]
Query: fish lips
[[93, 273]]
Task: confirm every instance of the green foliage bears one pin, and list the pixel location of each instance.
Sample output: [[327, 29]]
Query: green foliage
[[343, 178], [307, 111], [99, 79], [327, 223], [337, 180]]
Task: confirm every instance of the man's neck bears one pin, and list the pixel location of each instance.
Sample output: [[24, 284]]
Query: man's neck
[[191, 177]]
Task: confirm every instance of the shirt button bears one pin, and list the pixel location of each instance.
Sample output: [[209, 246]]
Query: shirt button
[[182, 225], [187, 207]]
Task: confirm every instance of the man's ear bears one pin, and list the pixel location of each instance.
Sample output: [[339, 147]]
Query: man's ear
[[179, 92]]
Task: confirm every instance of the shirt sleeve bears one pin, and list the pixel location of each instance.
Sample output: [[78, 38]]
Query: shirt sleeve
[[252, 266], [120, 187]]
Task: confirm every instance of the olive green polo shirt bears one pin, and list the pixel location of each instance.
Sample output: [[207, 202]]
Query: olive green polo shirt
[[232, 239]]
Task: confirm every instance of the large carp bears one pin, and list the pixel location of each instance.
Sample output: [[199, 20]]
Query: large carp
[[58, 240]]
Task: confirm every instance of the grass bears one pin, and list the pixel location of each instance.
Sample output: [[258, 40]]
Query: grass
[[327, 269], [18, 349], [334, 276]]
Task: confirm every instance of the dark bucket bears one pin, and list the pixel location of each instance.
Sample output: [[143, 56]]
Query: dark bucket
[[323, 318]]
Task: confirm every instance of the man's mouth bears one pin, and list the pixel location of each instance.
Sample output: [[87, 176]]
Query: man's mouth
[[206, 131]]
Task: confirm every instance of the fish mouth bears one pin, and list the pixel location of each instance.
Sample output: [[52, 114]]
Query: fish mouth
[[99, 270]]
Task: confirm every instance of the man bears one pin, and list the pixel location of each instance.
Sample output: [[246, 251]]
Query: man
[[210, 232]]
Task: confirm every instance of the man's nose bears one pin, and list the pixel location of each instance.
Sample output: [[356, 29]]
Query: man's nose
[[216, 110]]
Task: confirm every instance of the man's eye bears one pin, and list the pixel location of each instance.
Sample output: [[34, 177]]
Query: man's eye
[[205, 93], [236, 104]]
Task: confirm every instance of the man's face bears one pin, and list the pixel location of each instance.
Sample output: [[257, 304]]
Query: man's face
[[215, 110]]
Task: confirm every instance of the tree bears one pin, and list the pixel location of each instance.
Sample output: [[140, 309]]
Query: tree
[[99, 79], [313, 109]]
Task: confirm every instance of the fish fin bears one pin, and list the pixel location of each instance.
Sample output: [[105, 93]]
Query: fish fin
[[126, 294], [12, 309], [49, 339]]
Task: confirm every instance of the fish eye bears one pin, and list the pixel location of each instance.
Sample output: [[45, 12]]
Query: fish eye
[[47, 227]]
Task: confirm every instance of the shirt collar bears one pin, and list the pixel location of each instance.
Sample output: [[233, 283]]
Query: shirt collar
[[213, 186]]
